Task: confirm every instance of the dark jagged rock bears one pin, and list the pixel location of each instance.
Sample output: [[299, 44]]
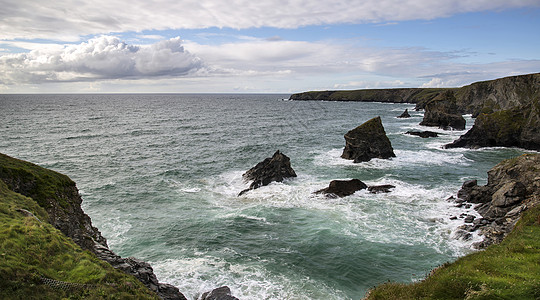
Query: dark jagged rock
[[275, 168], [342, 188], [517, 127], [423, 134], [367, 141], [62, 202], [442, 112], [405, 114], [221, 293], [385, 188], [513, 187]]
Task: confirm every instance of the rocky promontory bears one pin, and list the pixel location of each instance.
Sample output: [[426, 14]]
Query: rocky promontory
[[367, 141], [442, 112], [396, 95], [57, 194], [513, 186]]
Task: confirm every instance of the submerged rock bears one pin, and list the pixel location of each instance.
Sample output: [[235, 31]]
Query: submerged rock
[[423, 134], [443, 112], [376, 189], [342, 188], [367, 141], [405, 114], [275, 168]]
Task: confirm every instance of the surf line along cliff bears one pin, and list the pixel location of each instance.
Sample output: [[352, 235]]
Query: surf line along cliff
[[58, 195]]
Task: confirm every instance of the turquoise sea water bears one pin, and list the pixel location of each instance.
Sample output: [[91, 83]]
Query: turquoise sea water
[[160, 174]]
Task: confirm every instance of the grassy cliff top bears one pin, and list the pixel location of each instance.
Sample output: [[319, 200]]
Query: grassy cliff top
[[32, 249], [509, 270]]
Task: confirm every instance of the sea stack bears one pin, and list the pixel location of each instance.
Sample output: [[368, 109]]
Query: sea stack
[[443, 112], [405, 114], [367, 141], [275, 168]]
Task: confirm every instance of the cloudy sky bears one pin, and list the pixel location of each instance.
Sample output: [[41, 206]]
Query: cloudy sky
[[265, 46]]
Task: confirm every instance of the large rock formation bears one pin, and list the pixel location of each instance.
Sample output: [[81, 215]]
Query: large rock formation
[[513, 187], [517, 127], [59, 196], [442, 112], [221, 293], [275, 168], [342, 188], [367, 141]]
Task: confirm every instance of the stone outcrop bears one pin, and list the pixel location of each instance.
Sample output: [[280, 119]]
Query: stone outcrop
[[367, 141], [59, 196], [513, 187], [405, 114], [423, 134], [517, 127], [275, 168], [442, 112], [342, 188], [221, 293]]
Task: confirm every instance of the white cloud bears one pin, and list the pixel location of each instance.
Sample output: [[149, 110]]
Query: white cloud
[[67, 20], [105, 57]]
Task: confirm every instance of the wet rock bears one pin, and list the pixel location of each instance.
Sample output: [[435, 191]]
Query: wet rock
[[405, 114], [513, 187], [469, 219], [442, 112], [367, 141], [385, 188], [423, 134], [221, 293], [275, 168], [342, 188]]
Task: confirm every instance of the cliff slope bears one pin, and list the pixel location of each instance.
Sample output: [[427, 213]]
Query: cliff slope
[[508, 270], [47, 204], [404, 95]]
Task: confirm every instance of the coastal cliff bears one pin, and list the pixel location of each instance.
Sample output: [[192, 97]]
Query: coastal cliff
[[507, 110], [49, 246], [508, 268], [398, 95]]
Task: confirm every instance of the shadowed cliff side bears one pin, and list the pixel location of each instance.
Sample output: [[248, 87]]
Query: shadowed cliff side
[[59, 197]]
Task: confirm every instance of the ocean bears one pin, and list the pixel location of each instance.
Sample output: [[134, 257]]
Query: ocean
[[160, 173]]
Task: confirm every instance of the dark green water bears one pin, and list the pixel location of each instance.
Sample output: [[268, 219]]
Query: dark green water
[[159, 175]]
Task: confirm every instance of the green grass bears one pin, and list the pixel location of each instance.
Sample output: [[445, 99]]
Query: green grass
[[30, 247], [41, 184], [510, 270]]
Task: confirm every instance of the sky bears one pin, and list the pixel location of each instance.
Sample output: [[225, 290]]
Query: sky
[[264, 46]]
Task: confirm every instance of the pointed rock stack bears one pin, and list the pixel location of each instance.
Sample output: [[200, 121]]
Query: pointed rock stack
[[367, 141]]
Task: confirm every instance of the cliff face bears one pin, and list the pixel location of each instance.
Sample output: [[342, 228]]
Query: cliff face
[[58, 195], [405, 95], [513, 187], [499, 94]]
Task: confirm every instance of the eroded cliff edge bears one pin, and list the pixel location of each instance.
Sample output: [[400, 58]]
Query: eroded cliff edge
[[57, 194]]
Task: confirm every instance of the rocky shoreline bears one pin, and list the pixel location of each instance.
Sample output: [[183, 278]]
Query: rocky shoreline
[[62, 202], [513, 187]]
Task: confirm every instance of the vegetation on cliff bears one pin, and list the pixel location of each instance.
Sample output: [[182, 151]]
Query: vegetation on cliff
[[508, 270], [37, 261], [403, 95]]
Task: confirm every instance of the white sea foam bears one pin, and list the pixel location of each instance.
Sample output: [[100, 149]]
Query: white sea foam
[[194, 276], [403, 159]]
